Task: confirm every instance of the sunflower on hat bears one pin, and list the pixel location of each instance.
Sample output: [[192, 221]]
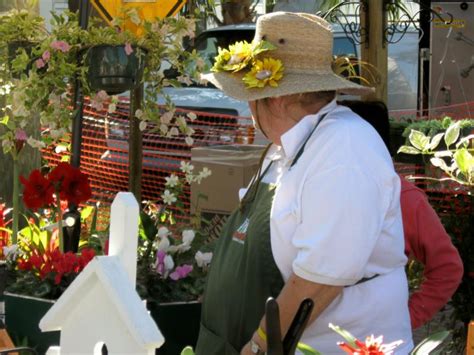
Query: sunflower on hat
[[243, 56]]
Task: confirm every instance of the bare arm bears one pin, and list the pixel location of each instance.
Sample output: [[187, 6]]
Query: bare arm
[[293, 293]]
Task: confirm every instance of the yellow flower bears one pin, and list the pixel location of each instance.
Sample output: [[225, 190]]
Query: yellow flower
[[240, 55], [222, 58], [269, 71]]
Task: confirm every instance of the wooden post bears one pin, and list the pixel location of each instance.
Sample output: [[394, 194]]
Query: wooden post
[[123, 239], [375, 50], [135, 150]]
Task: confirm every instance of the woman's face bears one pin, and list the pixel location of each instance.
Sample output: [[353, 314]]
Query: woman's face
[[270, 118]]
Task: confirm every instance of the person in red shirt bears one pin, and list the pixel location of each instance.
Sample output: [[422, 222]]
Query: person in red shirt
[[426, 239]]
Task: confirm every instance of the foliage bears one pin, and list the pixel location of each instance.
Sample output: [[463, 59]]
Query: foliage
[[173, 256], [49, 72], [432, 127], [457, 162], [353, 69]]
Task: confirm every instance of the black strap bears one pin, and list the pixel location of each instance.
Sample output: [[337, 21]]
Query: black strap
[[364, 279], [301, 150]]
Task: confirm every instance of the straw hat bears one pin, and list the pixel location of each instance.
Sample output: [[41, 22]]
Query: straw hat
[[304, 45]]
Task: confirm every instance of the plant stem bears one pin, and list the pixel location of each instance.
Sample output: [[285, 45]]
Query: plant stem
[[60, 222], [15, 197]]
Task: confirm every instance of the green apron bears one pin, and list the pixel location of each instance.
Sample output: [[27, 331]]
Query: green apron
[[243, 274]]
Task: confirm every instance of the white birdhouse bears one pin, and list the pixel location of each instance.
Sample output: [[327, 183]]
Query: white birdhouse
[[101, 306]]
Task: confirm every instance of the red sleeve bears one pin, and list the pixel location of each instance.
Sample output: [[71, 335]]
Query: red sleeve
[[427, 240]]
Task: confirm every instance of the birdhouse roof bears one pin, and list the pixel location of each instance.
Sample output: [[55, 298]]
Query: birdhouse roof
[[118, 290]]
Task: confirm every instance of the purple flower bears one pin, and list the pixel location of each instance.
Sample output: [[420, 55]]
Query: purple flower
[[160, 261], [40, 63], [46, 55], [60, 46], [181, 272], [128, 48]]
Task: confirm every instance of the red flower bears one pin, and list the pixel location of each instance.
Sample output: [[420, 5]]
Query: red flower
[[38, 191], [59, 173], [73, 185]]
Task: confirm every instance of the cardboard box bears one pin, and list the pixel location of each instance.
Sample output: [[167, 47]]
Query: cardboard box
[[232, 166]]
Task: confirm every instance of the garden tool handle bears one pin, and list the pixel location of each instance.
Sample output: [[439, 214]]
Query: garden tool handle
[[297, 326], [272, 319]]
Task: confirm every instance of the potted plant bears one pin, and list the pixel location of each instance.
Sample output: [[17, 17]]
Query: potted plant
[[174, 257], [39, 269]]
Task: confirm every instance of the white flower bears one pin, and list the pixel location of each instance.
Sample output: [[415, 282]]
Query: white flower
[[112, 108], [181, 248], [190, 178], [169, 263], [60, 148], [168, 197], [142, 126], [188, 236], [138, 113], [172, 180], [205, 172], [186, 167], [189, 140], [163, 128], [203, 259], [164, 244], [167, 117], [173, 132], [191, 115], [163, 232]]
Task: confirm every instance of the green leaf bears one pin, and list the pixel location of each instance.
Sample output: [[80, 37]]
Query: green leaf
[[345, 334], [419, 140], [86, 212], [435, 141], [464, 160], [149, 227], [430, 343], [4, 120], [452, 134], [307, 350], [408, 150], [187, 351]]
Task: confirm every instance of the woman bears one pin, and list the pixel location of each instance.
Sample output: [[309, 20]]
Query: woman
[[322, 217]]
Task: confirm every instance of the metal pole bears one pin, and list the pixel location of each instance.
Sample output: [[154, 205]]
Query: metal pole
[[72, 229], [135, 151], [78, 100]]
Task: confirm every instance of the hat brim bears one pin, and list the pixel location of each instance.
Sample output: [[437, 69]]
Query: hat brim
[[291, 83]]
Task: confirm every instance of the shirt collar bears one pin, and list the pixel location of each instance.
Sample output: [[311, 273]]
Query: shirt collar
[[292, 139]]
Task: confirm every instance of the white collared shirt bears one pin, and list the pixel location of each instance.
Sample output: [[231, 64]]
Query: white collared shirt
[[335, 219]]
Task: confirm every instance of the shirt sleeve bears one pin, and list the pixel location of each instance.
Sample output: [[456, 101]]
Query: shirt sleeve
[[432, 246], [341, 219]]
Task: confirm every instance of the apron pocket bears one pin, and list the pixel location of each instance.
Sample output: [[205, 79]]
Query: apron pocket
[[210, 343]]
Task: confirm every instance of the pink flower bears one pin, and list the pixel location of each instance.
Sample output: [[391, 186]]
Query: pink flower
[[60, 46], [20, 135], [181, 272], [128, 48], [40, 63], [97, 102], [46, 55]]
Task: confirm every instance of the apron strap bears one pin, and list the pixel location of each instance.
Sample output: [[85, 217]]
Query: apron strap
[[301, 150]]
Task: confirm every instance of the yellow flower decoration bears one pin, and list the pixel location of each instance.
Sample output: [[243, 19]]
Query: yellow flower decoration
[[266, 72], [236, 58]]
